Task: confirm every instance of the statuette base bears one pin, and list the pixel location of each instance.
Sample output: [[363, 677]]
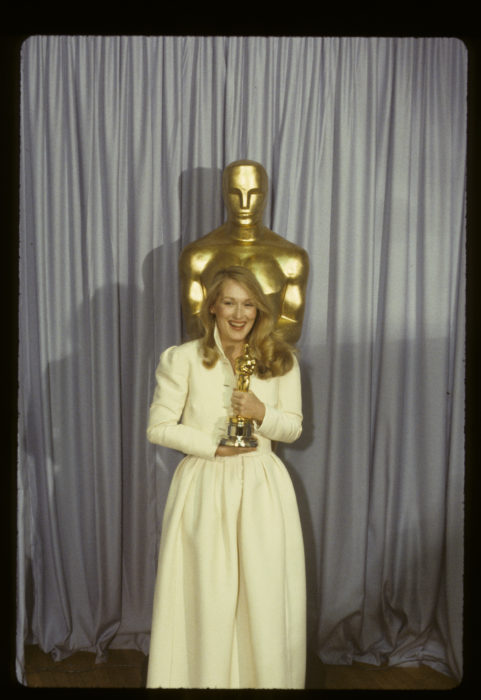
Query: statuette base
[[239, 433]]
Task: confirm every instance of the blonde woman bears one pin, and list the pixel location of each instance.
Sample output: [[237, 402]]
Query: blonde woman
[[229, 603]]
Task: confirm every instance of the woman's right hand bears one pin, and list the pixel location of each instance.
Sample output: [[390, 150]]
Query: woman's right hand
[[229, 451]]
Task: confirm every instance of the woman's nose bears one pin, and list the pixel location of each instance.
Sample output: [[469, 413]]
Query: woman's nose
[[237, 311]]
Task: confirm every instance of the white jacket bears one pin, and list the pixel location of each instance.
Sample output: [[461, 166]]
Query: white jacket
[[191, 405]]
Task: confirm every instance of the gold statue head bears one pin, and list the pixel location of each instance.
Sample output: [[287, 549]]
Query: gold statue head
[[244, 184]]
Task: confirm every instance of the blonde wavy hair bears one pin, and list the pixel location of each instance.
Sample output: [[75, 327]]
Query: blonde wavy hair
[[274, 356]]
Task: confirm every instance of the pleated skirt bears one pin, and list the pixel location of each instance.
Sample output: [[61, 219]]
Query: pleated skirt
[[230, 596]]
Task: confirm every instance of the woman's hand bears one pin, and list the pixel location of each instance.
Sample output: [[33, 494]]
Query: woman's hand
[[247, 405], [230, 451]]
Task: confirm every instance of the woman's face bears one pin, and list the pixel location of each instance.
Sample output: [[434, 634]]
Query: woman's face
[[235, 313]]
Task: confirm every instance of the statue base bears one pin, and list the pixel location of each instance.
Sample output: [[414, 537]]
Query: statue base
[[239, 433]]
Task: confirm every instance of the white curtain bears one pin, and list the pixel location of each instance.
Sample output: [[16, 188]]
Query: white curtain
[[123, 142]]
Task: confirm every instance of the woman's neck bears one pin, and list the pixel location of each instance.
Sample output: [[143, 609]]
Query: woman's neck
[[232, 351]]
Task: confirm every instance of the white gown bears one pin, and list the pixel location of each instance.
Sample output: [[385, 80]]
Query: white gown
[[229, 602]]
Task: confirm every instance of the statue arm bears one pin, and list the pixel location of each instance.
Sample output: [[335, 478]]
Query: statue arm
[[294, 297], [192, 291]]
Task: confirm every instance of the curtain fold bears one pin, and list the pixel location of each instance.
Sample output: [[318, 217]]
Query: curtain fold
[[123, 143]]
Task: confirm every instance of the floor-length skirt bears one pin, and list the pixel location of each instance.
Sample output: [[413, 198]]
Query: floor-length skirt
[[230, 602]]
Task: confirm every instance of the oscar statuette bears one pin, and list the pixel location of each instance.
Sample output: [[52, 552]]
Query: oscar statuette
[[239, 431]]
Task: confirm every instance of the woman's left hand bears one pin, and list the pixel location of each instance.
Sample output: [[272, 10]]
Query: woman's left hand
[[247, 405]]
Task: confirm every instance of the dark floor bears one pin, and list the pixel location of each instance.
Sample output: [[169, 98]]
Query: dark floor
[[128, 669]]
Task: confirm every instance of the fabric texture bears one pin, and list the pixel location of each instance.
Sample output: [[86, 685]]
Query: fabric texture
[[230, 600], [123, 143]]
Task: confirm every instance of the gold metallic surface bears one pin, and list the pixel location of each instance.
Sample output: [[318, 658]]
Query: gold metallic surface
[[240, 429], [280, 266], [244, 367]]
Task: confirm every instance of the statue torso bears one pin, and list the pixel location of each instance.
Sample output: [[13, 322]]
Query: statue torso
[[271, 258]]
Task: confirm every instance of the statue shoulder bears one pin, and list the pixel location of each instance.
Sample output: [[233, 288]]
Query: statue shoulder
[[294, 254], [273, 237], [204, 243], [195, 256], [213, 237]]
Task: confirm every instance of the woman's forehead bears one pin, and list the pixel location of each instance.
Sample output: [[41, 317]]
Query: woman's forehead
[[233, 288]]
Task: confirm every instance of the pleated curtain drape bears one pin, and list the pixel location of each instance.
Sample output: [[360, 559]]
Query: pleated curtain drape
[[123, 142]]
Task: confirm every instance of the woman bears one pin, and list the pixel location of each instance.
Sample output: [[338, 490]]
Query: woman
[[229, 603]]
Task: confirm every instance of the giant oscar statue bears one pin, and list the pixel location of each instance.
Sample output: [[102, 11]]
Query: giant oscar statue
[[280, 266]]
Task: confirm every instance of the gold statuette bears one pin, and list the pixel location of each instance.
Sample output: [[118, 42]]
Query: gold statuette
[[239, 431]]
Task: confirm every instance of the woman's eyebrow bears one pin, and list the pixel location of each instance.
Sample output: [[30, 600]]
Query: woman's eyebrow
[[234, 299]]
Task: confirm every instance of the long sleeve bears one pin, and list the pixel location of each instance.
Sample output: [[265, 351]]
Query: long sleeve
[[168, 403], [283, 422]]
